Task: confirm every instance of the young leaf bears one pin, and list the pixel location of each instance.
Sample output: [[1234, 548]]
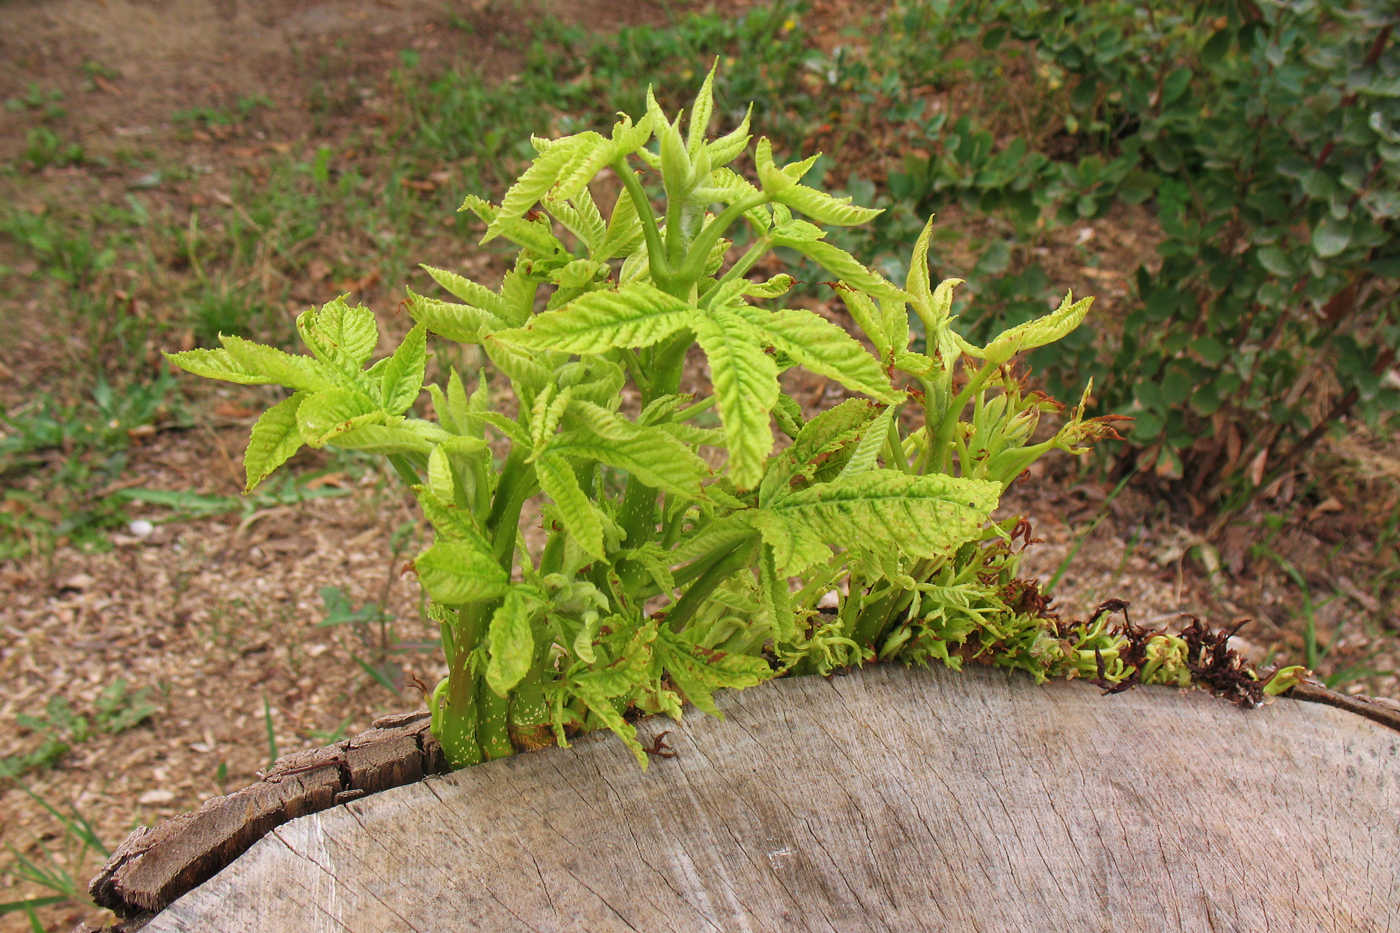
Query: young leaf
[[472, 293], [866, 455], [633, 315], [402, 377], [217, 363], [324, 415], [462, 323], [727, 148], [700, 671], [545, 415], [557, 480], [824, 208], [822, 347], [601, 706], [624, 231], [647, 452], [842, 265], [580, 217], [459, 571], [777, 596], [867, 317], [881, 510], [273, 441], [547, 169], [746, 388], [1039, 332], [339, 334], [413, 436], [510, 641], [700, 113], [294, 372]]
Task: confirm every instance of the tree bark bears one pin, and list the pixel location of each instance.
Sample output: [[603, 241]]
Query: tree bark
[[888, 799]]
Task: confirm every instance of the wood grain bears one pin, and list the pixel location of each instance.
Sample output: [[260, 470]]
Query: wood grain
[[889, 799]]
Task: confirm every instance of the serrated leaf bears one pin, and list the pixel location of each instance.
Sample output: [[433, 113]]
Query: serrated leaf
[[535, 237], [402, 378], [273, 441], [831, 429], [459, 322], [557, 480], [632, 315], [294, 372], [647, 452], [774, 287], [727, 148], [866, 455], [339, 333], [842, 265], [325, 414], [917, 281], [880, 511], [529, 371], [501, 423], [725, 186], [473, 293], [546, 414], [449, 521], [624, 231], [601, 706], [626, 138], [217, 363], [825, 209], [746, 388], [1039, 332], [541, 175], [458, 571], [581, 219], [479, 206], [414, 436], [820, 346], [700, 671], [510, 641], [700, 112], [867, 317], [720, 534]]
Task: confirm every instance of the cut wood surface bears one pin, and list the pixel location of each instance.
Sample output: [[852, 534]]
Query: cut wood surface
[[888, 799]]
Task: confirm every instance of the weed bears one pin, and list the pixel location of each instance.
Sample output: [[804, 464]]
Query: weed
[[60, 727], [60, 872]]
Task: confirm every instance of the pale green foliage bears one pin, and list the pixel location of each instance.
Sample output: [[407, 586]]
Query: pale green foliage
[[601, 435]]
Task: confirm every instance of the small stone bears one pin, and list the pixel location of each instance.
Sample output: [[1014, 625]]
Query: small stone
[[156, 796], [141, 528]]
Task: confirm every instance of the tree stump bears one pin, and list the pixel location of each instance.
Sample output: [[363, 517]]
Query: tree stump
[[887, 799]]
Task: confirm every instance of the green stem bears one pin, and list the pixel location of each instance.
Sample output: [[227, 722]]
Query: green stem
[[694, 266], [518, 483], [729, 563], [493, 722], [745, 262], [949, 418], [661, 272]]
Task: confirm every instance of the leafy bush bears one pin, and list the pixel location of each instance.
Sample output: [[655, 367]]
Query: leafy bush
[[1264, 140], [662, 576]]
